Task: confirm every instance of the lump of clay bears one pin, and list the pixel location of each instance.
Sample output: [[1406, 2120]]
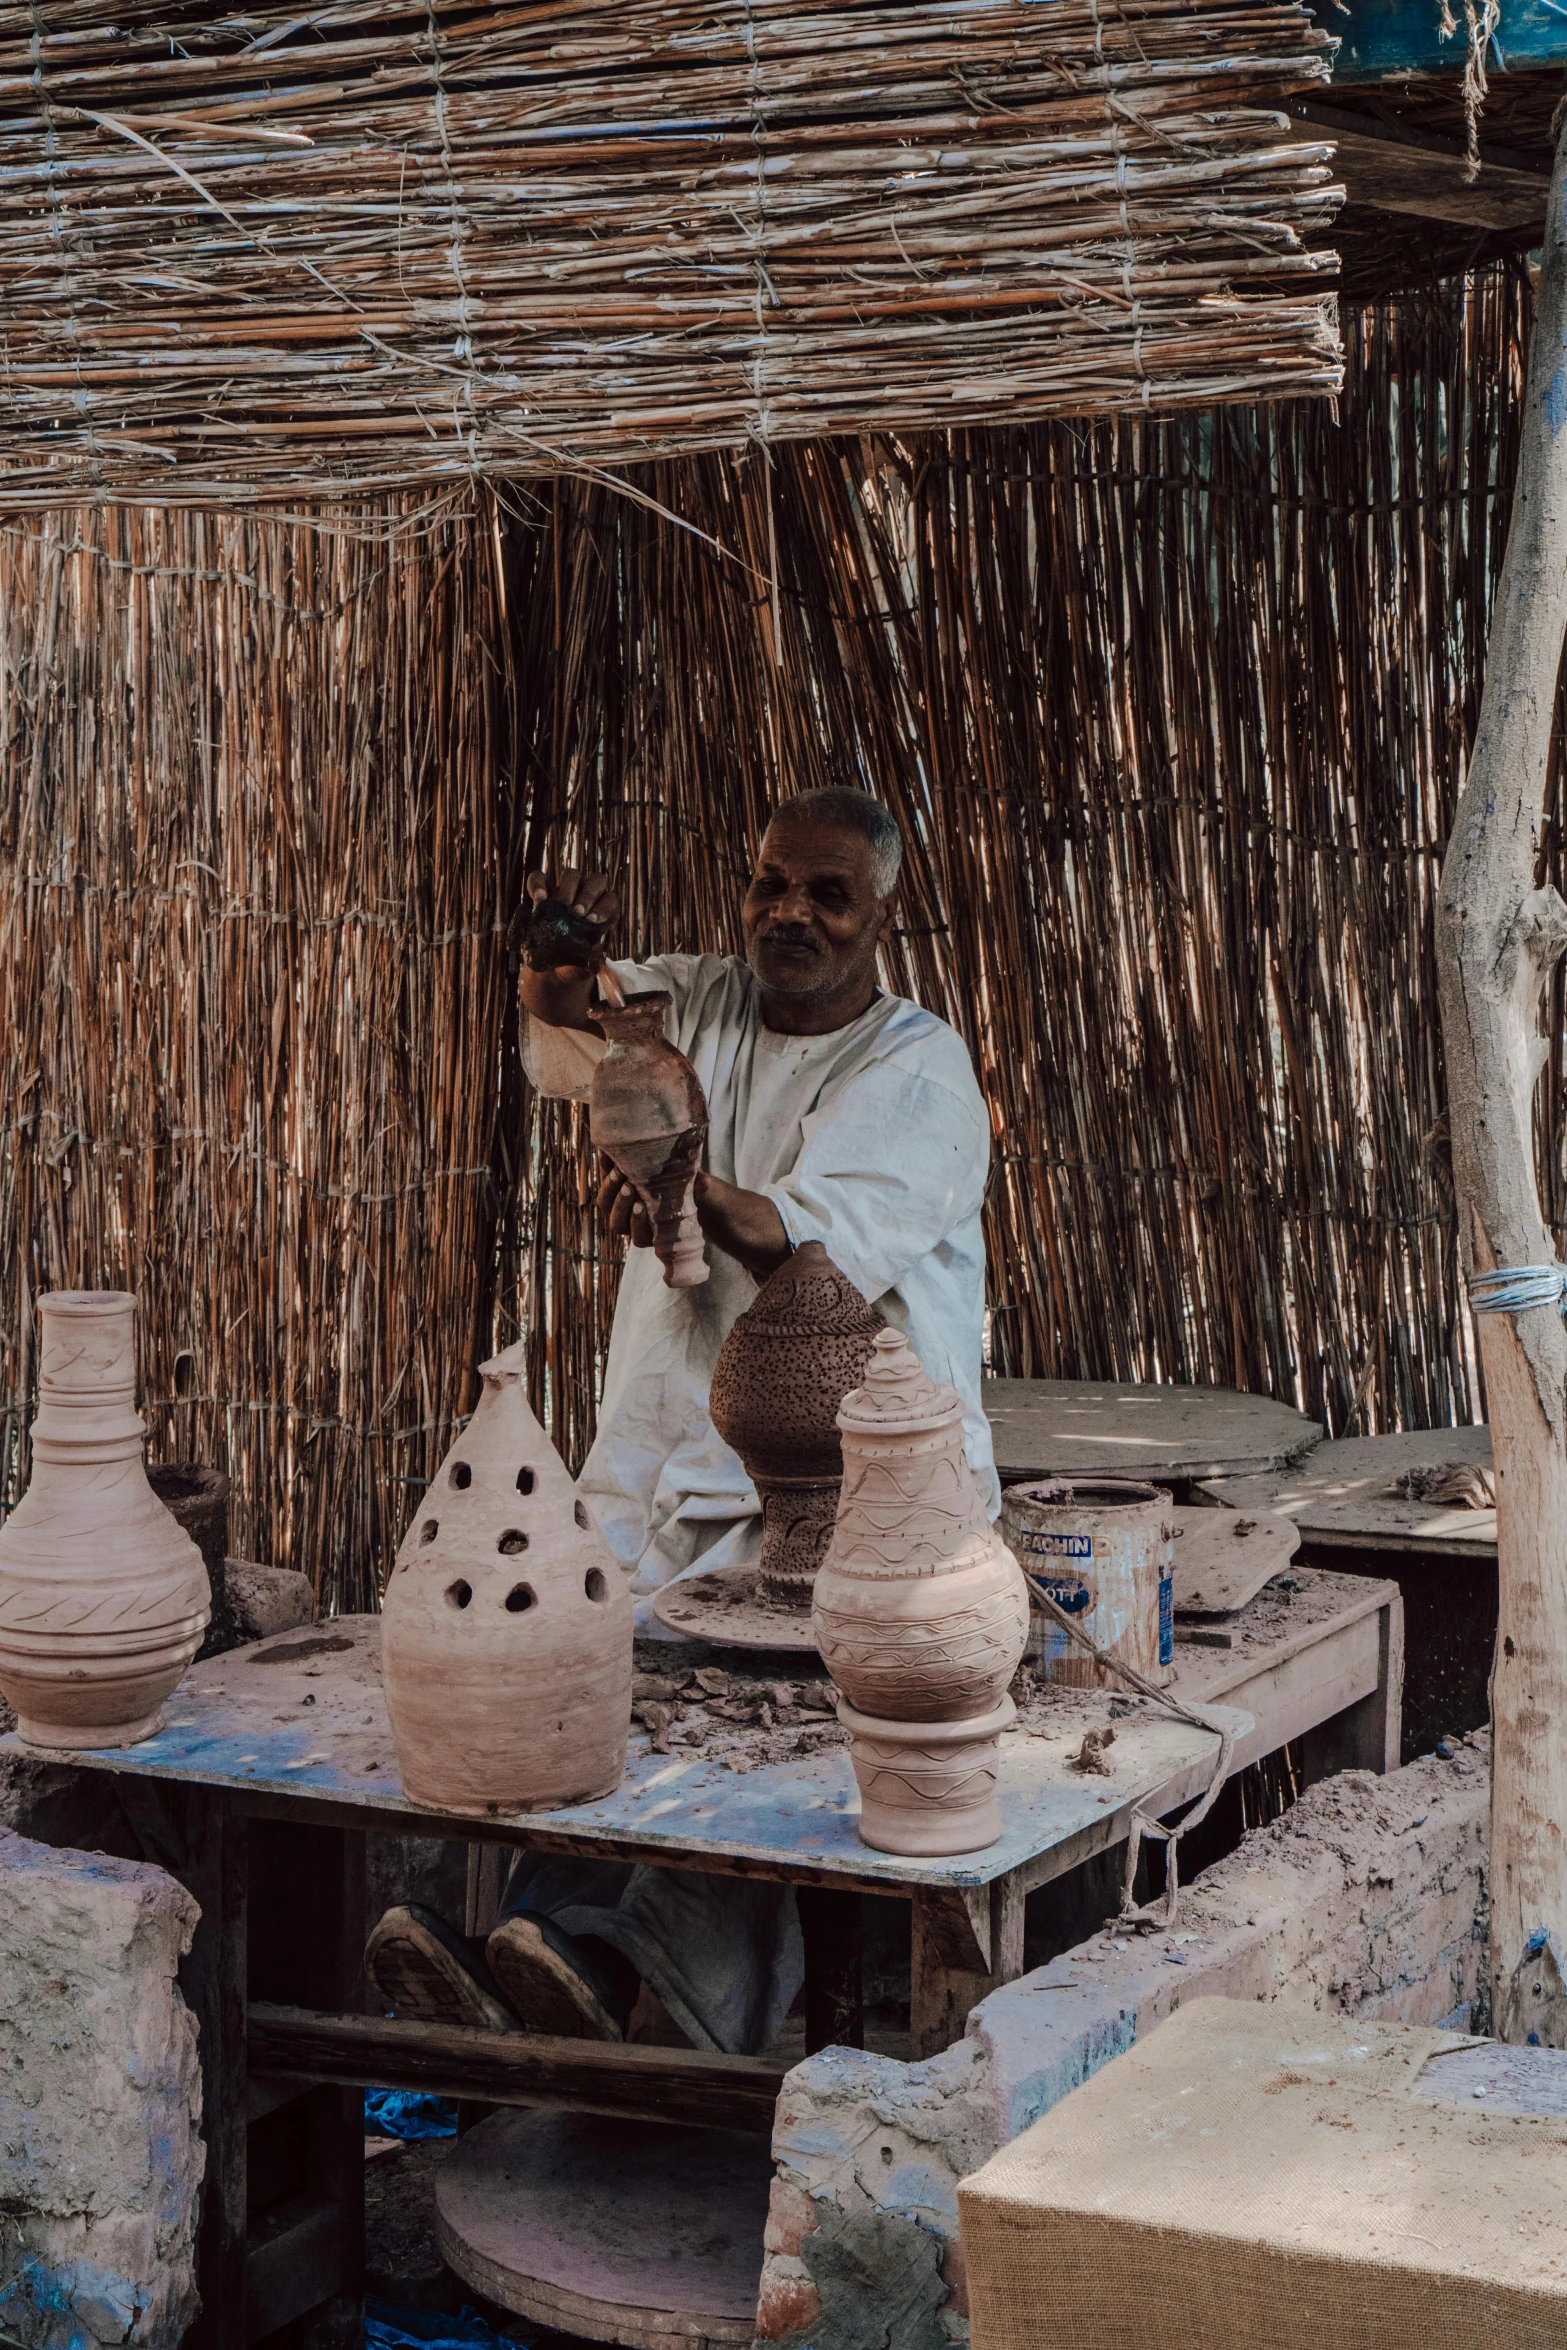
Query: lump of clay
[[647, 1110], [506, 1632], [103, 1598], [786, 1366]]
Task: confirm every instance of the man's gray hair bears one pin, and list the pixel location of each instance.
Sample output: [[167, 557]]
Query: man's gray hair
[[841, 807]]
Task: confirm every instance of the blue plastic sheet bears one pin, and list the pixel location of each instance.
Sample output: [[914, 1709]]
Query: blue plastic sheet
[[390, 2328], [408, 2113]]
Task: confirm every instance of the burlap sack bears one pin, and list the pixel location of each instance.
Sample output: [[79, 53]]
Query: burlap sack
[[1263, 2178]]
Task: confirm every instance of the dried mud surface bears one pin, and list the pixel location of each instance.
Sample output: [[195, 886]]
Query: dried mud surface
[[741, 1710]]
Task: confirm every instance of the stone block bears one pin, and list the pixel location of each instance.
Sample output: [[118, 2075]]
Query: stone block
[[1259, 2173], [1366, 1899], [100, 2152], [264, 1600]]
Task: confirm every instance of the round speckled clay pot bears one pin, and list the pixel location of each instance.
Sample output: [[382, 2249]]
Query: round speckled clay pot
[[103, 1598], [786, 1366], [506, 1625], [920, 1611], [647, 1110]]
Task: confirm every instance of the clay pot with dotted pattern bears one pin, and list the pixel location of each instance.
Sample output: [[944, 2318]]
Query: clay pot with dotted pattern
[[506, 1625]]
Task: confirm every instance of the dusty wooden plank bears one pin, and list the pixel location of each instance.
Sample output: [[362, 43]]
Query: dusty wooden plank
[[1222, 1558], [515, 2068], [1347, 1492], [1085, 1427], [299, 1727]]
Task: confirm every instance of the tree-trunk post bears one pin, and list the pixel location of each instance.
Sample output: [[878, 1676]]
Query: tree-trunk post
[[1498, 939]]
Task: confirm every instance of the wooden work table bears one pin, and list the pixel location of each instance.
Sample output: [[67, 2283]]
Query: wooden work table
[[276, 1760], [1346, 1500]]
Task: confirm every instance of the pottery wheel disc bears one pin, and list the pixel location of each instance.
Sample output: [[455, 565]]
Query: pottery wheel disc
[[646, 2233], [1222, 1558], [730, 1610]]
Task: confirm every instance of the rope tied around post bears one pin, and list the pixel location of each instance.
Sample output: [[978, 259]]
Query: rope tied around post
[[1514, 1289], [1163, 1912]]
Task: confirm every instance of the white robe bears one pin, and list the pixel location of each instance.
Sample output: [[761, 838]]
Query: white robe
[[873, 1139]]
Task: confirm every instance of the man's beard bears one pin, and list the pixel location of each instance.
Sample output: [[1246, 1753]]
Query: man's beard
[[816, 972]]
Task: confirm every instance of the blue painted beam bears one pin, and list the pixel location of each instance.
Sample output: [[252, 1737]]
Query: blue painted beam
[[1381, 38]]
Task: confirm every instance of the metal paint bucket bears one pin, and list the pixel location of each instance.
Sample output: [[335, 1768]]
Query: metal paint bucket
[[1101, 1548]]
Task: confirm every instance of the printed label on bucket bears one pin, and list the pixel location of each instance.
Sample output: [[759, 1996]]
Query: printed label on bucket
[[1071, 1594], [1064, 1546], [1167, 1617]]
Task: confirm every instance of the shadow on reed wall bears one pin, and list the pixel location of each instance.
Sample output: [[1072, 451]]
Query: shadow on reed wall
[[1174, 714]]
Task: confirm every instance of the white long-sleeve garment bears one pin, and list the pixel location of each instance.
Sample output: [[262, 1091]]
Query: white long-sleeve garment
[[873, 1139]]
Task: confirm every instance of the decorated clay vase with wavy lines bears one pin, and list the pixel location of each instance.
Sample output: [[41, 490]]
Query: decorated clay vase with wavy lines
[[506, 1624], [103, 1597], [920, 1610]]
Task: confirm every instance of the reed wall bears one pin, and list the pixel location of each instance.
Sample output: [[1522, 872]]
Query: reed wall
[[1174, 714]]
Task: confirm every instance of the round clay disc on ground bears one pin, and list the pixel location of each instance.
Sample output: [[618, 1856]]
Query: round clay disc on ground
[[644, 2233], [731, 1610]]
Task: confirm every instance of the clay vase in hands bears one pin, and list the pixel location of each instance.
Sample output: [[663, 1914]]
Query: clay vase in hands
[[786, 1366], [103, 1597], [920, 1614], [506, 1625], [649, 1114]]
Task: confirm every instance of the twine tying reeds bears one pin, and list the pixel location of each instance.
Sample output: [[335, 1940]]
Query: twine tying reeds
[[269, 256]]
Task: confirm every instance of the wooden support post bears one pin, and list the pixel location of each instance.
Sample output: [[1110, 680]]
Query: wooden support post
[[832, 1931], [212, 1866], [1499, 937], [307, 1946], [967, 1942]]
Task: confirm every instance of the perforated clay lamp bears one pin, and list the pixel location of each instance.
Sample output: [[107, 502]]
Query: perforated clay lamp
[[785, 1368], [506, 1625], [647, 1110], [103, 1597], [920, 1614]]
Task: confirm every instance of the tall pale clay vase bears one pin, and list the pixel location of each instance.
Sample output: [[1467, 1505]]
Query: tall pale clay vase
[[647, 1110], [506, 1625], [784, 1369], [103, 1597], [920, 1614]]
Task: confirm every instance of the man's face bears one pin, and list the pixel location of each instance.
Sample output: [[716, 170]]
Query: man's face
[[813, 919]]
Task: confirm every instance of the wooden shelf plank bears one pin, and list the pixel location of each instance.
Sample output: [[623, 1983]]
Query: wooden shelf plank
[[516, 2068]]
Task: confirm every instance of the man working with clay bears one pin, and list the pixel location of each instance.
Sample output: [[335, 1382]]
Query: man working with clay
[[837, 1113]]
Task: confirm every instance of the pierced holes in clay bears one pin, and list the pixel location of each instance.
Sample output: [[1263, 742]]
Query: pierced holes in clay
[[512, 1543], [461, 1476], [458, 1594], [581, 1516], [525, 1480], [520, 1598], [429, 1530], [594, 1585]]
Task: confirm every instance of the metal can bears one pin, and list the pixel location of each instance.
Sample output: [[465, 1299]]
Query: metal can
[[1101, 1546]]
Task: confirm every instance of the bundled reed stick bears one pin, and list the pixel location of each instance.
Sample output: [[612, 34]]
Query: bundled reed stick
[[259, 255]]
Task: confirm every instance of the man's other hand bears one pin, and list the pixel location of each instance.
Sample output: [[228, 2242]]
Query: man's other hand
[[623, 1211]]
